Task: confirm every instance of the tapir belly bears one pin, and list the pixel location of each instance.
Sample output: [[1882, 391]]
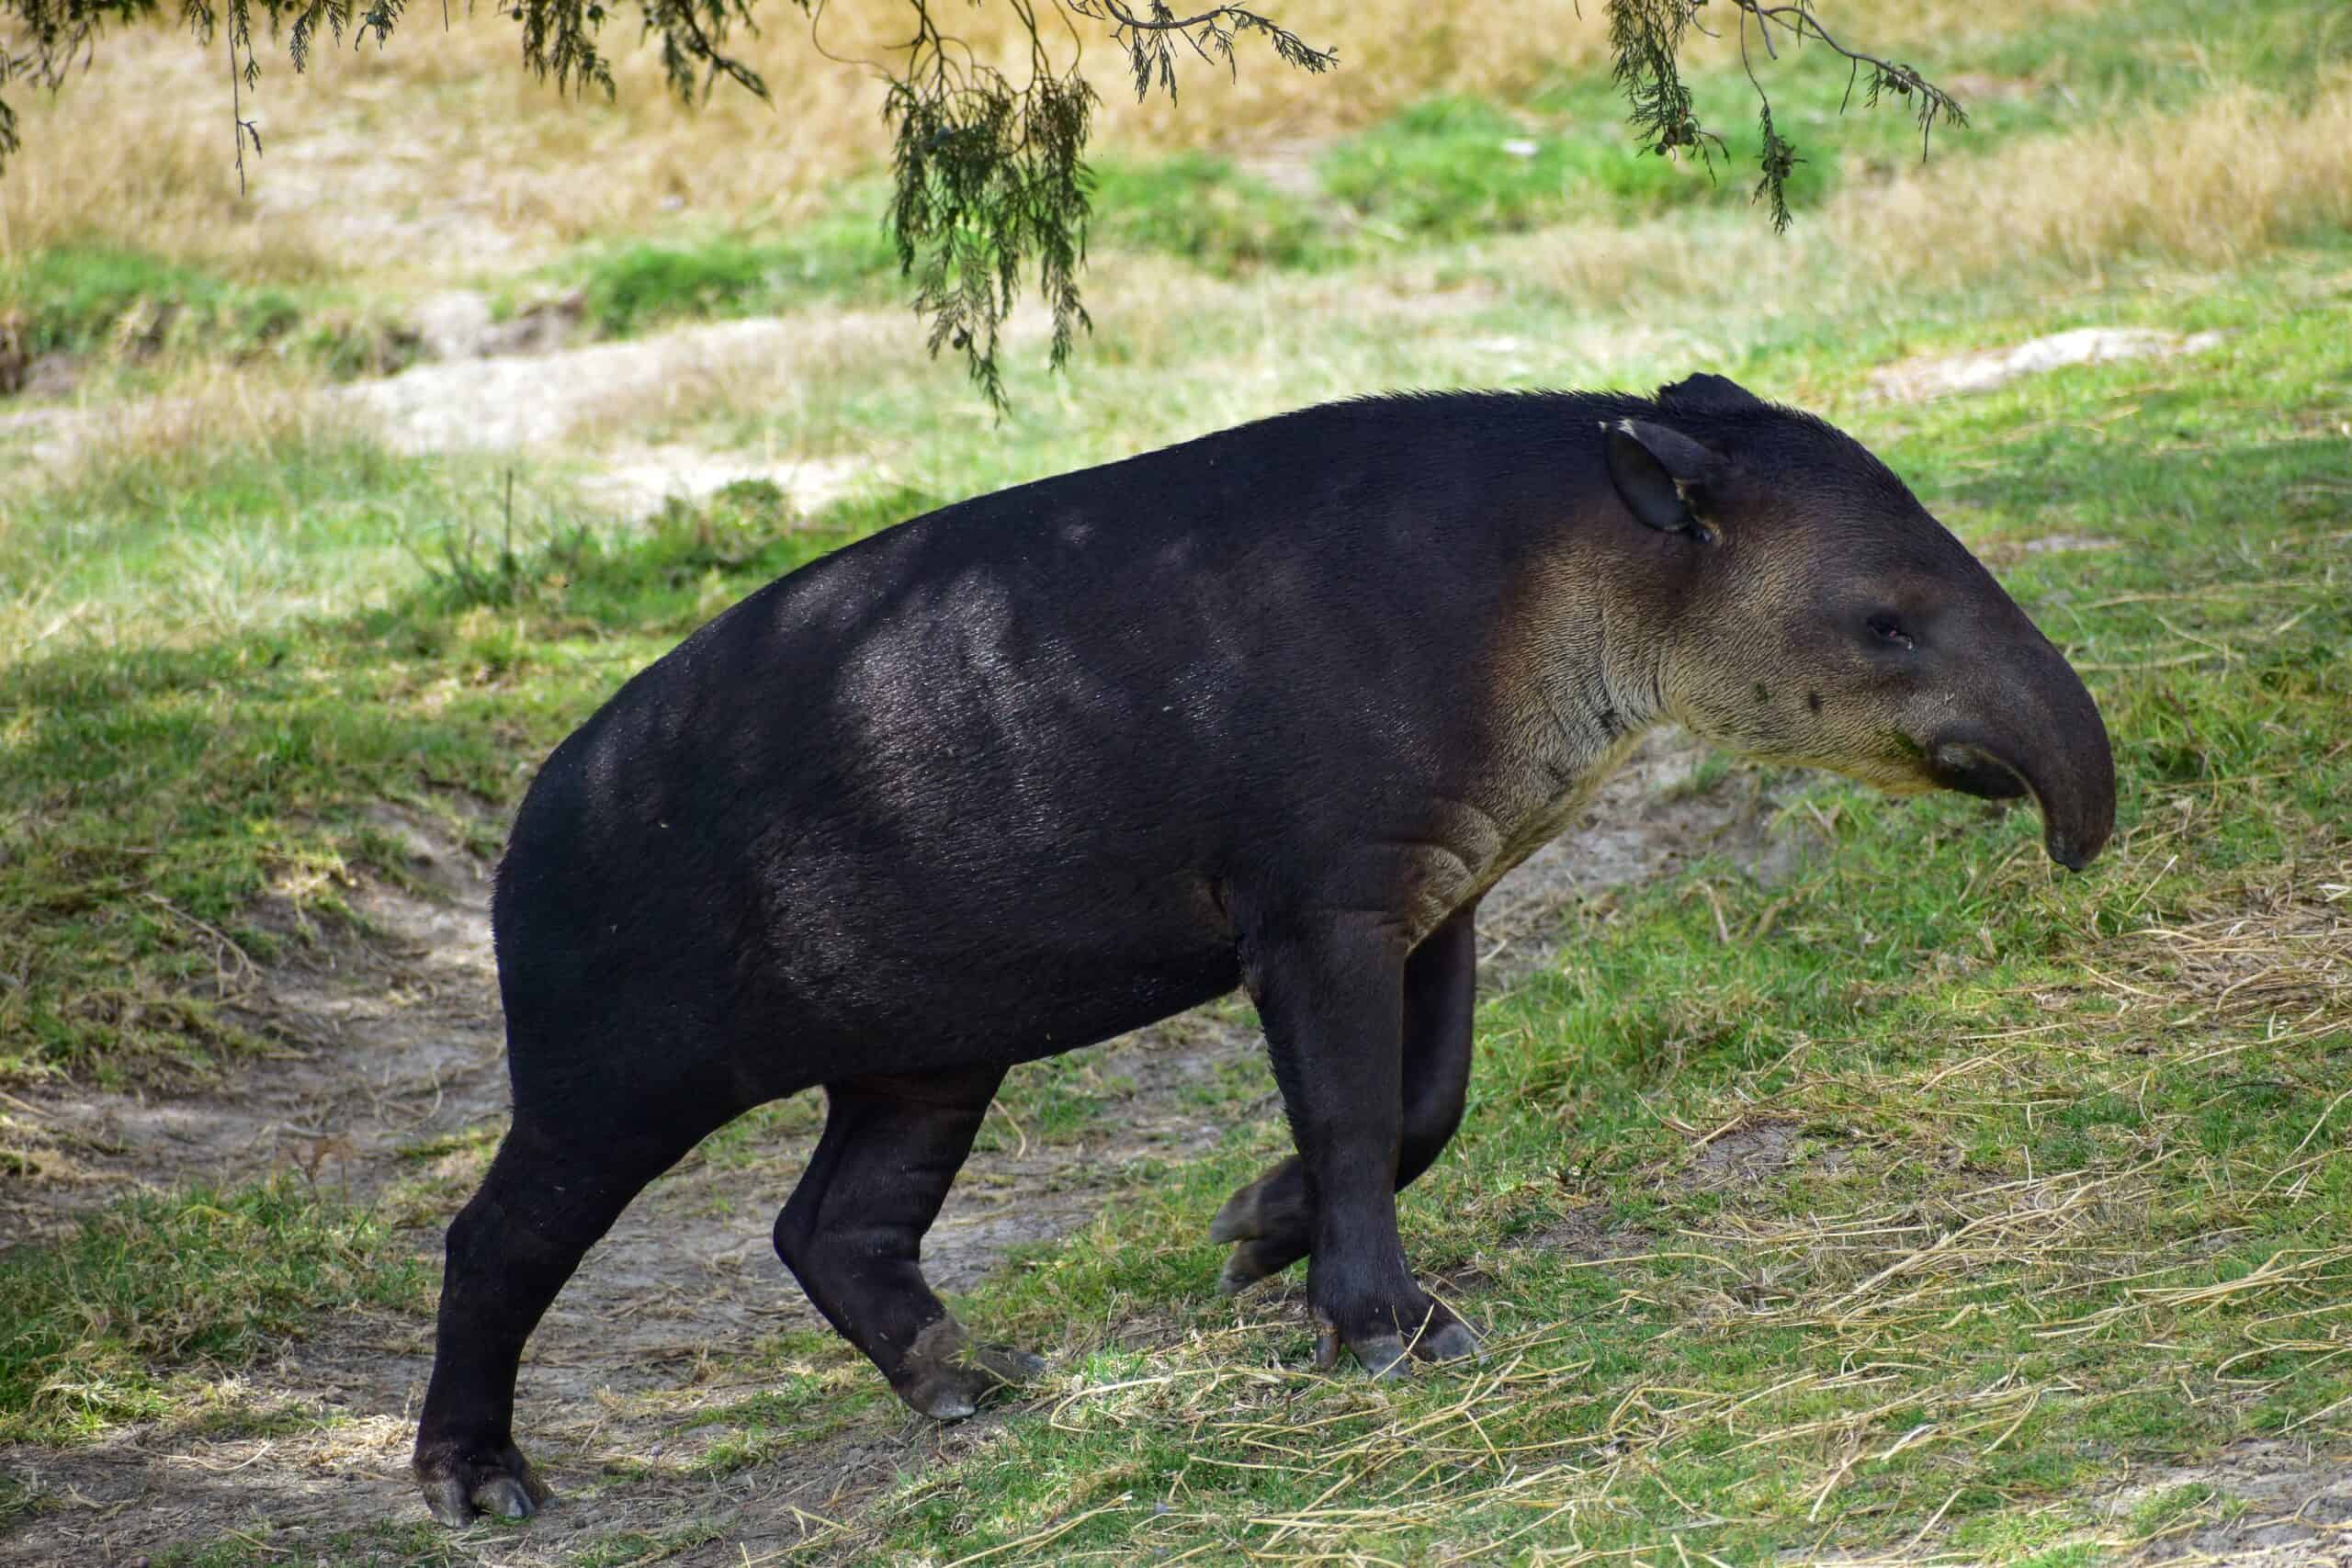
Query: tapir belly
[[939, 967]]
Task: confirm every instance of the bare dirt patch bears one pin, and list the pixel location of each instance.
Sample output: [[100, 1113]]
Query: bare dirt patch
[[2287, 1504], [530, 401], [380, 1044], [1748, 1153], [638, 481], [1648, 821], [1582, 1234], [518, 401], [1916, 380], [390, 1088]]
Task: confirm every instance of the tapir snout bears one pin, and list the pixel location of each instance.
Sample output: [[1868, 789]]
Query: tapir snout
[[2040, 735]]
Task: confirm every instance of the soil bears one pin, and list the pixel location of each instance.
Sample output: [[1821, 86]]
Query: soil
[[1584, 1236], [390, 1088], [632, 481], [506, 399], [1743, 1156], [2297, 1505], [1916, 380]]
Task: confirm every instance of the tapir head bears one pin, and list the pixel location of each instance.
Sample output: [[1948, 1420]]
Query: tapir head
[[1815, 614]]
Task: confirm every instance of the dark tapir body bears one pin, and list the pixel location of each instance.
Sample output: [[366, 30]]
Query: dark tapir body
[[1272, 709]]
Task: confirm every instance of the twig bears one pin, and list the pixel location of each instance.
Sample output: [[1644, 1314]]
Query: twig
[[240, 128], [216, 934]]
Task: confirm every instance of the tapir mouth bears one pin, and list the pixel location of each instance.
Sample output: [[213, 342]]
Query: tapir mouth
[[1971, 770]]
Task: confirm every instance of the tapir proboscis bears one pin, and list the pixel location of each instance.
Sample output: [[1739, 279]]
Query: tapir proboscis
[[1271, 709]]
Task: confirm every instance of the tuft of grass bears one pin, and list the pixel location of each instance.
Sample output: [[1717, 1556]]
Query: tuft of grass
[[638, 287], [1455, 168], [1204, 210], [133, 306], [825, 1389], [77, 299], [99, 1324]]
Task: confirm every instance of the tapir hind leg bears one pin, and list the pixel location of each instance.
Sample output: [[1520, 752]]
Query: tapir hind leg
[[1271, 1220], [557, 1186], [853, 1233]]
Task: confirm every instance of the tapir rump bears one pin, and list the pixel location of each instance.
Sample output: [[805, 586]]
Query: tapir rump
[[1271, 709]]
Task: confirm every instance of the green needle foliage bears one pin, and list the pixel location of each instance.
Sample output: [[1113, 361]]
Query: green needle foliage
[[990, 179]]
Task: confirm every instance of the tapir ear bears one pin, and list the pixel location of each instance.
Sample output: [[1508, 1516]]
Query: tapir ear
[[1661, 475], [1703, 390]]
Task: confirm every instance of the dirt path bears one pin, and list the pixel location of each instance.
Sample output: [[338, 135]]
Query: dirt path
[[394, 1048], [559, 400]]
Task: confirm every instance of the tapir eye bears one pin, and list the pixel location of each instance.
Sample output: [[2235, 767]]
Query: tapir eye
[[1886, 628]]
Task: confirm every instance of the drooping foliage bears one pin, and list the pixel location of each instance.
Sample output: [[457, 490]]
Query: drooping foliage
[[990, 180]]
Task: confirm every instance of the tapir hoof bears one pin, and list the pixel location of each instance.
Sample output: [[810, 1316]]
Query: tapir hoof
[[459, 1488], [1447, 1342], [1268, 1228], [1386, 1355], [1254, 1260], [945, 1375], [1383, 1356]]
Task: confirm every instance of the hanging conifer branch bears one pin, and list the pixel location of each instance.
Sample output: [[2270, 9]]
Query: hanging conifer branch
[[989, 178], [1646, 37]]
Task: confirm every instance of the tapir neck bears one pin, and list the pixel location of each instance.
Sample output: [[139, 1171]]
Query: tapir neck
[[1580, 694]]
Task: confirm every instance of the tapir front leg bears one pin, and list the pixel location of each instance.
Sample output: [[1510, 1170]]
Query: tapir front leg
[[1271, 1222], [1330, 990], [852, 1233]]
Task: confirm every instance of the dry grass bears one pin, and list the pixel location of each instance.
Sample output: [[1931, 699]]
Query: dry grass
[[2237, 174], [2211, 186], [439, 157], [1539, 1448], [196, 406], [2240, 173], [132, 153]]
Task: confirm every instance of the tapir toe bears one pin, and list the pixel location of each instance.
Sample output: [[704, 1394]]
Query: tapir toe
[[1447, 1342], [506, 1497]]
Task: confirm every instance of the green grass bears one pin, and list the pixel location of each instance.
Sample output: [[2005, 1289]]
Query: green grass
[[2055, 1191], [103, 300], [1194, 207], [1453, 168], [154, 791], [1204, 210], [846, 254], [75, 298], [100, 1328]]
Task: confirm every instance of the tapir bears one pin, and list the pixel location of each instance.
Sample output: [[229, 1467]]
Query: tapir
[[1269, 709]]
